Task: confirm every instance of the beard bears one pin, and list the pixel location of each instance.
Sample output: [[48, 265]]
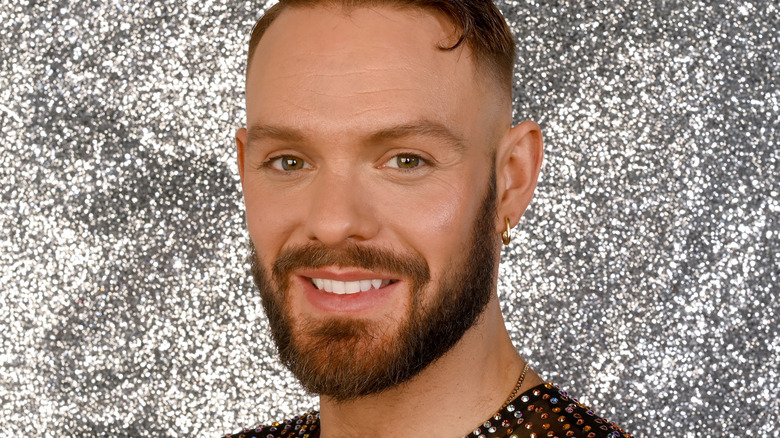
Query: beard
[[347, 358]]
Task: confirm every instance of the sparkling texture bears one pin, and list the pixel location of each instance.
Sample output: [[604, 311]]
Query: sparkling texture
[[643, 278]]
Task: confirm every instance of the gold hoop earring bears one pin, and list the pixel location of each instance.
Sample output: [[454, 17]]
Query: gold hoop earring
[[506, 236]]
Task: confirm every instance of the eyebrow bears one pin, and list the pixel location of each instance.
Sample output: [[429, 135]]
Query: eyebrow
[[420, 128], [262, 132], [423, 128]]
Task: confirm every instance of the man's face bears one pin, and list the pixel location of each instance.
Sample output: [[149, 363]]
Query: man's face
[[367, 172]]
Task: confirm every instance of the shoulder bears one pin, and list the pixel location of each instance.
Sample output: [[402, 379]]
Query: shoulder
[[302, 426], [547, 411]]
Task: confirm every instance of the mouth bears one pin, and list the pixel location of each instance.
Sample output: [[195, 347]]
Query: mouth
[[349, 287]]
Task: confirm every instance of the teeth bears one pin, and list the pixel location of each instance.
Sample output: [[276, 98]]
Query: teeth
[[348, 287], [352, 287]]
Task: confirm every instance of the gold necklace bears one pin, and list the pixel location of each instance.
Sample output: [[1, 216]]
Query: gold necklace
[[517, 387]]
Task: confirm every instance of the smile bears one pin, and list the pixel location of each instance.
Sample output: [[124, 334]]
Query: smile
[[349, 287]]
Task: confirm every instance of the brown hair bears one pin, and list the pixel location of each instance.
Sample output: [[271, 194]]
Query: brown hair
[[480, 24]]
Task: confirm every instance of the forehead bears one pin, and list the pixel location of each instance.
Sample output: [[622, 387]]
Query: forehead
[[330, 68]]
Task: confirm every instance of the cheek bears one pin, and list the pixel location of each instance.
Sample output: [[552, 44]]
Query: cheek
[[437, 216], [434, 220], [269, 221]]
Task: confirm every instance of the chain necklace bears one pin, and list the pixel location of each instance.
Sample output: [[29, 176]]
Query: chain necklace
[[517, 387]]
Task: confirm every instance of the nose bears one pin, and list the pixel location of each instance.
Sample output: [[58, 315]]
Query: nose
[[340, 209]]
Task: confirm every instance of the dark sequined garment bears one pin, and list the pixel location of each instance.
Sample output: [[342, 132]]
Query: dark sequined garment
[[543, 411]]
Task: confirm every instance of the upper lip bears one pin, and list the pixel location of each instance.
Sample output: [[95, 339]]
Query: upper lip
[[344, 274]]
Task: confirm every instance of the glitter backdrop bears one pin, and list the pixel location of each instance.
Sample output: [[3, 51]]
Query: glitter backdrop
[[643, 278]]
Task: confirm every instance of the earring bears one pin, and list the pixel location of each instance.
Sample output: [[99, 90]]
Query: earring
[[506, 236]]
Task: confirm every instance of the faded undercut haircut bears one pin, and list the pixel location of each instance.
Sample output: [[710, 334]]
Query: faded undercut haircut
[[479, 23]]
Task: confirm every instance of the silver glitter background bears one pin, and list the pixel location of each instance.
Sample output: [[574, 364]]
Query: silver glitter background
[[644, 278]]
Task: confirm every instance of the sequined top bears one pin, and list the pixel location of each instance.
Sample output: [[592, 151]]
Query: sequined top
[[542, 411]]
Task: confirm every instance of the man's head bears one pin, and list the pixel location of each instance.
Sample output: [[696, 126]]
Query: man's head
[[378, 165]]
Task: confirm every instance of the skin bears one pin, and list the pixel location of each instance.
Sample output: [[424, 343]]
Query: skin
[[332, 87]]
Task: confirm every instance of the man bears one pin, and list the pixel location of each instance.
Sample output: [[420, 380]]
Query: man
[[381, 172]]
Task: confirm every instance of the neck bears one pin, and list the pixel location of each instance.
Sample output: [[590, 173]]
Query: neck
[[450, 397]]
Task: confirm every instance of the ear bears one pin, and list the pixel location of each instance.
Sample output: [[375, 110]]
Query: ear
[[240, 145], [517, 170]]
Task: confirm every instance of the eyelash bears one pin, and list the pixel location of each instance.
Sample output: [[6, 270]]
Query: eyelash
[[423, 161], [268, 164]]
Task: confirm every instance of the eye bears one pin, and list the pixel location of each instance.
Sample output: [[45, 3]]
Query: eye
[[287, 163], [405, 161]]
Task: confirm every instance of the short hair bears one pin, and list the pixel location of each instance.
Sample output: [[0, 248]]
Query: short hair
[[480, 24]]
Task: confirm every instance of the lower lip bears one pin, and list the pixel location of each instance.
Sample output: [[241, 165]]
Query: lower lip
[[346, 303]]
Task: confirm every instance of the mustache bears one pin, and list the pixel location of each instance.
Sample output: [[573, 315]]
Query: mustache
[[314, 256]]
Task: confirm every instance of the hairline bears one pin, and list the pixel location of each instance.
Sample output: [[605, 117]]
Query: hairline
[[482, 63]]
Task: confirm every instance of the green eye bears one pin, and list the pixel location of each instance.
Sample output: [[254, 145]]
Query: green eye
[[407, 161], [287, 163], [291, 163]]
